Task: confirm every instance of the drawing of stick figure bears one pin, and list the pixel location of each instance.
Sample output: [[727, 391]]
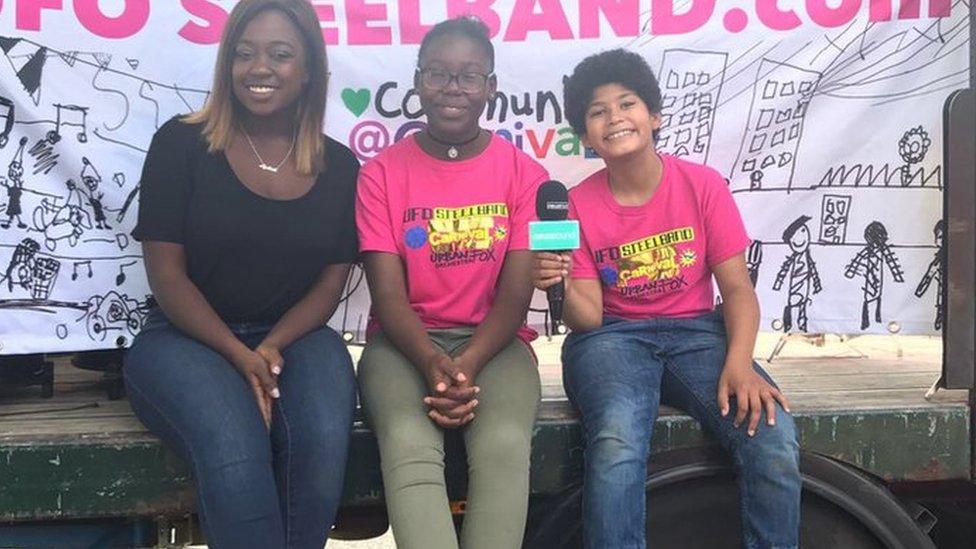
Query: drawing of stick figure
[[802, 272], [15, 187], [870, 263], [935, 272], [90, 179], [21, 265]]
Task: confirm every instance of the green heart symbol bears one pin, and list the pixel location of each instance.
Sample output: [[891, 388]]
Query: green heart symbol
[[355, 100]]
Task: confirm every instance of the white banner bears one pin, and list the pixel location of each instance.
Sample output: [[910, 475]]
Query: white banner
[[823, 114]]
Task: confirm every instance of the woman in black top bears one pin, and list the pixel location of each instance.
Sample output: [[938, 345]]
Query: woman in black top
[[246, 219]]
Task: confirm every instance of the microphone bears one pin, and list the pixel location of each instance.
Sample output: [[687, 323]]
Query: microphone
[[553, 232]]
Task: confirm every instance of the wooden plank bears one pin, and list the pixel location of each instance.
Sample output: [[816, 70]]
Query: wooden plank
[[97, 462], [114, 476]]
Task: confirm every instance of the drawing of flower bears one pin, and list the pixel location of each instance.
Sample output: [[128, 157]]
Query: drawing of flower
[[912, 147]]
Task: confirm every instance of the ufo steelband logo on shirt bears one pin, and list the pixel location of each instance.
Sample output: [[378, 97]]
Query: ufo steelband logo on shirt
[[647, 266], [458, 235]]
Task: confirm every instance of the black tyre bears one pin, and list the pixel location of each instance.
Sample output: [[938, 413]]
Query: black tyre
[[693, 503]]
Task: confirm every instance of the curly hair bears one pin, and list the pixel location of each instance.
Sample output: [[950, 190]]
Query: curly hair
[[617, 66], [467, 26]]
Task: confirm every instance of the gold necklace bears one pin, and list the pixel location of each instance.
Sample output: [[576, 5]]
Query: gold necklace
[[261, 163]]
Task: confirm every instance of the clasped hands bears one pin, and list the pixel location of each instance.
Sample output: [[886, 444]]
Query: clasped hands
[[452, 396], [260, 367]]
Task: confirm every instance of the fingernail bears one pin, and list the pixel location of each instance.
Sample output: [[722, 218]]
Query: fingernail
[[441, 387], [772, 421], [276, 370], [477, 390], [751, 432], [474, 402], [462, 377], [427, 400], [275, 393]]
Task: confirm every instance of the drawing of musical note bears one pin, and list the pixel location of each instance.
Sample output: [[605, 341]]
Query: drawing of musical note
[[84, 264], [71, 115], [120, 278]]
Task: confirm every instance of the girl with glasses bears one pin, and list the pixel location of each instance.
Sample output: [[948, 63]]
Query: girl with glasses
[[442, 219]]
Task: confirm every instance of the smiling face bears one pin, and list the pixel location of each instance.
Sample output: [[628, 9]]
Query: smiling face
[[800, 239], [618, 123], [452, 114], [268, 68]]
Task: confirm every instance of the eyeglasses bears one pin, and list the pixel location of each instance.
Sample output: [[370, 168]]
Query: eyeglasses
[[468, 82]]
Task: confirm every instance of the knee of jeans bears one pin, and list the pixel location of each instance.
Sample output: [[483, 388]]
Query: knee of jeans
[[617, 440], [226, 471], [401, 443], [773, 451], [322, 345], [407, 462], [501, 446]]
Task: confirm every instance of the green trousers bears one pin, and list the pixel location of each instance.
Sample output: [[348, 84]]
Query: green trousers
[[498, 443]]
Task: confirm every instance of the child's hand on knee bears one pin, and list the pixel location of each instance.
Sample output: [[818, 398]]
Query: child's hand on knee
[[752, 395]]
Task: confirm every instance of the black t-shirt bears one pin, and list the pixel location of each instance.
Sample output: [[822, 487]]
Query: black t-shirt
[[252, 257]]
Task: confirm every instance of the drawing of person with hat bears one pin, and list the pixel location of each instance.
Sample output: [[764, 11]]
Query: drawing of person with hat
[[802, 272], [15, 187]]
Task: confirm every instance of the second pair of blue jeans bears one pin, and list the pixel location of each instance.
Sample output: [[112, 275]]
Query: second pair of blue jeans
[[618, 375]]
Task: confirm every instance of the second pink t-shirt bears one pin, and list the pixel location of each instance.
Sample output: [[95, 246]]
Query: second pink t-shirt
[[654, 260], [451, 223]]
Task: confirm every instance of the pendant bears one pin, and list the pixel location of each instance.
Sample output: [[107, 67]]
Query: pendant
[[268, 168], [452, 152]]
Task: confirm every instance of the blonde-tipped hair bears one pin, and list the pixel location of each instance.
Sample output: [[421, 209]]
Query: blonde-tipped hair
[[218, 114]]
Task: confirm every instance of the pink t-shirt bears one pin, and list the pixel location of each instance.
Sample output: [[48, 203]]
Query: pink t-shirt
[[451, 223], [654, 260]]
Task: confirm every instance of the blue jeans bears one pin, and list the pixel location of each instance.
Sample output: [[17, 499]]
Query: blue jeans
[[254, 488], [617, 375]]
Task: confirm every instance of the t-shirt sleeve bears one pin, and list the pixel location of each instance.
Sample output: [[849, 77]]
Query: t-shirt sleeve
[[164, 186], [532, 175], [725, 232], [583, 265], [347, 169], [373, 211]]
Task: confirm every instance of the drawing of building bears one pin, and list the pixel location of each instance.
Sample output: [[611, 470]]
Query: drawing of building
[[834, 214], [691, 84], [780, 98]]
